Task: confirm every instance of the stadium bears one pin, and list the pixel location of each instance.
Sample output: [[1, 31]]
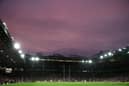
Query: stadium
[[107, 68]]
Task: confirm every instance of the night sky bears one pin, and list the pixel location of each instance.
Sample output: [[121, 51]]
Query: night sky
[[75, 26]]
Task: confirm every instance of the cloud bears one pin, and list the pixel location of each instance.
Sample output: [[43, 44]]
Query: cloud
[[88, 25]]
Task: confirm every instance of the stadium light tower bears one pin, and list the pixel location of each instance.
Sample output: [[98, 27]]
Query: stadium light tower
[[17, 45]]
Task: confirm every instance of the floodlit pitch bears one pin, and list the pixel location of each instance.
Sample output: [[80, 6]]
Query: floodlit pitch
[[71, 84]]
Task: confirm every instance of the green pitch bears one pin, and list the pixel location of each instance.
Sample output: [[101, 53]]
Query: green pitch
[[71, 84]]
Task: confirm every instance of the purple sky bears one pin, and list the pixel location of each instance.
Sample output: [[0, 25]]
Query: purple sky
[[86, 26]]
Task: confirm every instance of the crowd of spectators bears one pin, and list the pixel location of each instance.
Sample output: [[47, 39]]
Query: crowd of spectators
[[6, 79]]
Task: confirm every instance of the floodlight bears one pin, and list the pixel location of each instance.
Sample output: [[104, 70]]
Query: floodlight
[[82, 61], [110, 53], [37, 59], [124, 48], [17, 45], [90, 61], [128, 52], [4, 24], [32, 58], [105, 55], [101, 57], [8, 70], [23, 56], [119, 49], [20, 52]]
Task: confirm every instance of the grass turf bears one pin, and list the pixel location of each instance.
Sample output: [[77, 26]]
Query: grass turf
[[70, 84]]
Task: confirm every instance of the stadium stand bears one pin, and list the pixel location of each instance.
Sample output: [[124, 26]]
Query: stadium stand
[[105, 66]]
